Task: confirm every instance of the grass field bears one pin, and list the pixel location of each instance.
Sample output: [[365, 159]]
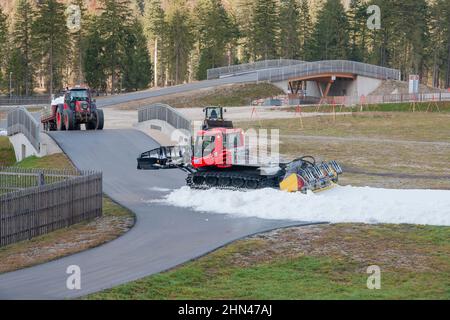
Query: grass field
[[115, 221], [320, 262], [7, 156], [443, 106], [226, 96], [408, 150], [330, 261]]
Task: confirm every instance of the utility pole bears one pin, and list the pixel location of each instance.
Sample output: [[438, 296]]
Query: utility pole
[[10, 84], [51, 68]]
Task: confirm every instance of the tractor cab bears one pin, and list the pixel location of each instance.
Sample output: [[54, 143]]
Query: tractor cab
[[214, 118], [79, 100]]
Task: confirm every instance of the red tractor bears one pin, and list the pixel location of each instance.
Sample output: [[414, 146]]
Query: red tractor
[[72, 109], [220, 159]]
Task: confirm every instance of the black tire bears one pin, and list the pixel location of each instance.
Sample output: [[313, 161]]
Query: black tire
[[237, 182], [211, 181], [52, 126], [60, 121], [251, 184], [100, 119], [224, 181], [69, 120], [90, 125], [198, 180]]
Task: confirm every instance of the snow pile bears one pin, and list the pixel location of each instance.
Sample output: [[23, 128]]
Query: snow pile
[[58, 100], [340, 204]]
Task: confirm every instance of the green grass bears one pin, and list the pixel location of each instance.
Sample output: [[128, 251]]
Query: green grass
[[7, 156], [238, 271], [408, 107], [241, 95], [54, 161], [226, 96]]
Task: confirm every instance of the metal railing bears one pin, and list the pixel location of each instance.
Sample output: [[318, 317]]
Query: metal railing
[[391, 98], [39, 201], [326, 67], [24, 101], [249, 67], [164, 112], [21, 121], [359, 100]]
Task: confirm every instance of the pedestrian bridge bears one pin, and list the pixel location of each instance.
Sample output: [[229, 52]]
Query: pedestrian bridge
[[317, 79]]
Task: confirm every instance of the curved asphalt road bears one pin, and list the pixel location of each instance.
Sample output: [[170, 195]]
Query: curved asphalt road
[[116, 99], [163, 236]]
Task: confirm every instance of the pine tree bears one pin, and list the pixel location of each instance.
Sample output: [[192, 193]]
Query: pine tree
[[244, 17], [94, 62], [402, 40], [21, 62], [155, 30], [265, 30], [358, 30], [77, 43], [3, 43], [305, 31], [290, 46], [179, 41], [51, 41], [215, 31], [439, 52], [137, 71], [113, 23], [330, 38]]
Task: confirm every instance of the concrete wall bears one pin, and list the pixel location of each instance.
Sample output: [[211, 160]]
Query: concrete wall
[[23, 148], [367, 85], [283, 85], [360, 86], [169, 135]]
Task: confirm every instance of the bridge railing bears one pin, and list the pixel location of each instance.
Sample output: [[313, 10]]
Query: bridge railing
[[164, 112], [332, 66], [21, 121], [22, 101], [248, 67]]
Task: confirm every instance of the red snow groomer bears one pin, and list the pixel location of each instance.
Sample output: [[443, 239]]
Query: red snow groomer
[[74, 108], [220, 159]]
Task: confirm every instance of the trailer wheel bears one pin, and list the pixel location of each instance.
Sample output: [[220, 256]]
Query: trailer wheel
[[99, 119], [69, 120], [59, 121]]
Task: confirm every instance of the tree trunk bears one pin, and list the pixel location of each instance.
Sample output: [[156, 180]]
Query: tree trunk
[[447, 80], [155, 64]]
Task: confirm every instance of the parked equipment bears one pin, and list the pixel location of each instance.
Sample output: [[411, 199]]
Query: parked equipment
[[71, 110], [219, 159]]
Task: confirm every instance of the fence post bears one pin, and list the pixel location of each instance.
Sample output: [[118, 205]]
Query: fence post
[[41, 179]]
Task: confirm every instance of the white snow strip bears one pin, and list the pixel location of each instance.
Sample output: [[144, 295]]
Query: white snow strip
[[157, 189], [338, 205], [59, 100]]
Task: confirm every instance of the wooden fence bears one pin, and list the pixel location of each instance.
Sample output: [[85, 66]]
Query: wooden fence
[[40, 201]]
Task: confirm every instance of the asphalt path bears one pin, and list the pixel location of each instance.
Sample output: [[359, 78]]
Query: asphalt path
[[163, 237], [127, 97]]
